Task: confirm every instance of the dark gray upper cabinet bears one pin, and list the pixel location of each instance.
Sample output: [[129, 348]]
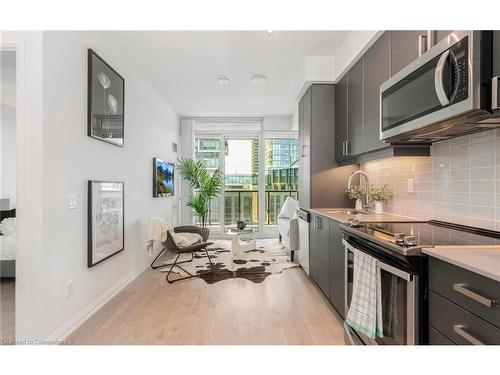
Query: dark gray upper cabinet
[[404, 48], [340, 118], [355, 109], [304, 151], [377, 69]]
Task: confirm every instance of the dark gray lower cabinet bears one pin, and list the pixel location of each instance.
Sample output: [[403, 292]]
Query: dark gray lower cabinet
[[337, 270], [326, 259], [320, 253], [313, 248], [462, 305]]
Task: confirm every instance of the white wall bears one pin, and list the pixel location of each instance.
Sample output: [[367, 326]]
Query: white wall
[[278, 123], [70, 158]]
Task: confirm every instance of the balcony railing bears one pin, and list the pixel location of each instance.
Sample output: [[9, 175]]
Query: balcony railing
[[244, 205]]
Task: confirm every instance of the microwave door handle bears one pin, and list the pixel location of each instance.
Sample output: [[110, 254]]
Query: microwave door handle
[[438, 80]]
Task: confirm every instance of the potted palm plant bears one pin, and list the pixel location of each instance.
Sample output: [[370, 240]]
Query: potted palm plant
[[204, 186]]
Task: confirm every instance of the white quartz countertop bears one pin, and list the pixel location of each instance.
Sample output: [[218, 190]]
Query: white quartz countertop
[[484, 260], [340, 215]]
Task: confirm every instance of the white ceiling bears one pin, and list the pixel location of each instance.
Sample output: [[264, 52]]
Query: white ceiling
[[185, 66]]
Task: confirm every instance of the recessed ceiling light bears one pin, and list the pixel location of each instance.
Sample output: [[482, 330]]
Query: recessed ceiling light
[[224, 81], [259, 79]]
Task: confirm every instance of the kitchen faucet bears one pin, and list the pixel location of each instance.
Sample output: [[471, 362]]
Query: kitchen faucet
[[367, 184]]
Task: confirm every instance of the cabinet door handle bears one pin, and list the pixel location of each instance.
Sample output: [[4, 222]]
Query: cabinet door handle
[[348, 147], [459, 330], [343, 148], [319, 222], [460, 288]]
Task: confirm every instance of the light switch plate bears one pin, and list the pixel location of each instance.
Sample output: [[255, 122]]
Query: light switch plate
[[72, 201], [70, 288]]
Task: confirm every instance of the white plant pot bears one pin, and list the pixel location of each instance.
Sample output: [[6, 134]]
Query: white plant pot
[[379, 207], [359, 204]]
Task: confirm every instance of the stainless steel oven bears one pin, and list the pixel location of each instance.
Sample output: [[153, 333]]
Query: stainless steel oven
[[400, 303], [445, 92]]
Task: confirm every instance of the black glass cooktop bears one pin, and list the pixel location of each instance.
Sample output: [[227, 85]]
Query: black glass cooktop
[[432, 233]]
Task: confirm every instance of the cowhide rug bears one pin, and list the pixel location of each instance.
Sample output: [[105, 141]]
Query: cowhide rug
[[269, 258]]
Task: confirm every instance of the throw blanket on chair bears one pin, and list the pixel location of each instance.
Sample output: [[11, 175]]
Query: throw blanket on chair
[[158, 230]]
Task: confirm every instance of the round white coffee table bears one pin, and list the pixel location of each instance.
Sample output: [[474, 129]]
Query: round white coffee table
[[236, 246]]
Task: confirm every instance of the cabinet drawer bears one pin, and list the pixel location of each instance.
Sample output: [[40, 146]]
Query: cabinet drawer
[[461, 326], [467, 289], [436, 338]]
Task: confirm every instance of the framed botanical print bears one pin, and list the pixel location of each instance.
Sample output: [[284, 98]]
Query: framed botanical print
[[106, 101], [106, 235]]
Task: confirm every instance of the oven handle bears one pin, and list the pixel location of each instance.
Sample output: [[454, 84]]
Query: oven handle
[[393, 270], [438, 79]]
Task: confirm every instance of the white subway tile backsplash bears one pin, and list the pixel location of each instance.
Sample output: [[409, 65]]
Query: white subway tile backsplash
[[487, 173], [482, 160], [460, 174], [459, 198], [486, 186], [460, 187], [459, 182], [459, 162], [482, 199]]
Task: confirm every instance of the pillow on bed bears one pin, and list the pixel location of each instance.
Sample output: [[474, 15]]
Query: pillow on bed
[[8, 226]]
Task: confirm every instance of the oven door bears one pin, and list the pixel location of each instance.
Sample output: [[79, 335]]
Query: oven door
[[399, 304], [426, 91]]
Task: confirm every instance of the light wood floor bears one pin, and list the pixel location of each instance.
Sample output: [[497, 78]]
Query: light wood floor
[[7, 310], [284, 309]]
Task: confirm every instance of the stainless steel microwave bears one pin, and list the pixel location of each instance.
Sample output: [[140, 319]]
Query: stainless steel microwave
[[446, 92]]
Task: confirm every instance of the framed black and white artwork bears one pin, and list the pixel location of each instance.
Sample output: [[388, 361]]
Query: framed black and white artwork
[[106, 100], [106, 236]]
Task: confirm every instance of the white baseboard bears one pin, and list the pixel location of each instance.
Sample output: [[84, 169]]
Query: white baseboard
[[61, 333]]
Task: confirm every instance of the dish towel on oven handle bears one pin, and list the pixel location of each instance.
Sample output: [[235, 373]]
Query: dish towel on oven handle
[[365, 311]]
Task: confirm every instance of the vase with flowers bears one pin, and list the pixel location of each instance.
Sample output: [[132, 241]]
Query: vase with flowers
[[356, 192], [380, 195]]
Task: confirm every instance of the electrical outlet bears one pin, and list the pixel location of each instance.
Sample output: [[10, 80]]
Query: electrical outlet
[[70, 288], [72, 201], [411, 185]]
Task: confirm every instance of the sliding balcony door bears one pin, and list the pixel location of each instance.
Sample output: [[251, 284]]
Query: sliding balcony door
[[241, 182], [260, 172]]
